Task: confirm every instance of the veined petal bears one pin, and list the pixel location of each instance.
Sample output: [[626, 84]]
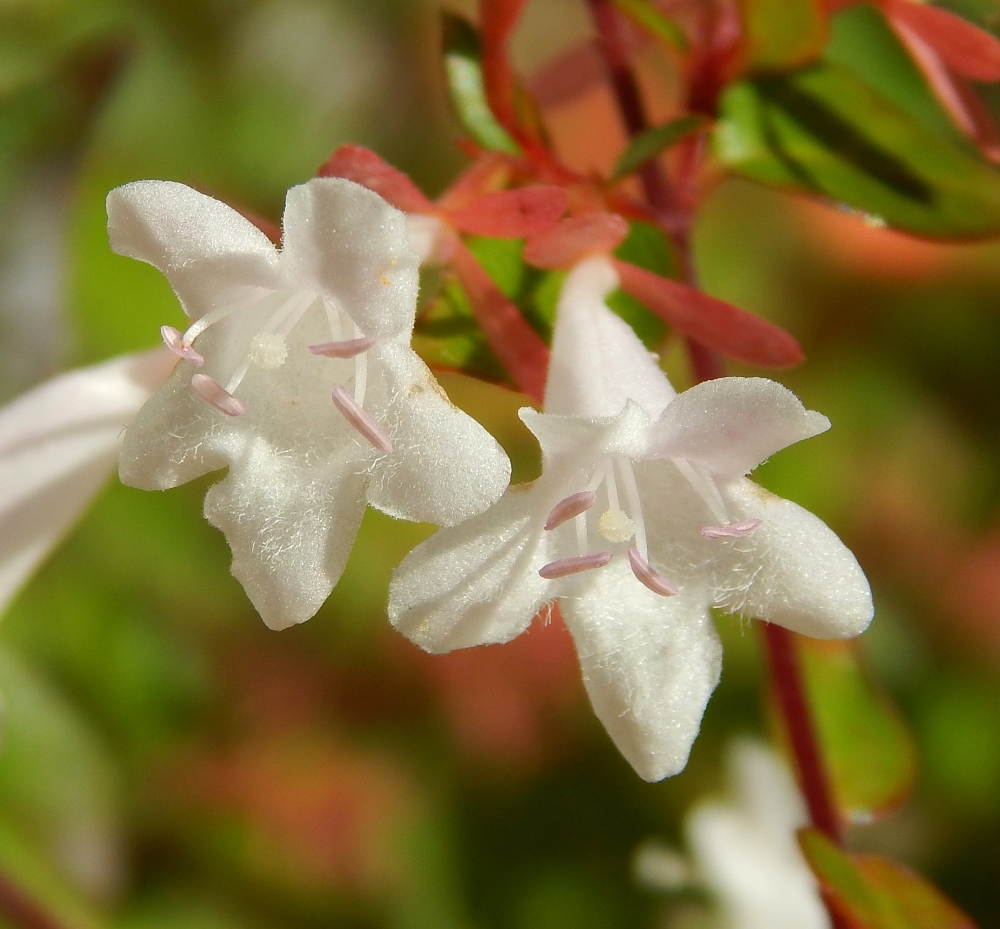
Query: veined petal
[[732, 424], [476, 583], [58, 445], [597, 360], [793, 570], [353, 246], [290, 527], [649, 663], [210, 253], [445, 467]]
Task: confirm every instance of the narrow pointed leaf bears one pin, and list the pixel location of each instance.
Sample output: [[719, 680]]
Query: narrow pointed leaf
[[782, 34], [497, 19], [825, 131], [467, 90], [868, 892], [964, 47], [489, 173], [869, 750], [364, 167], [655, 141], [512, 214], [575, 238], [657, 24], [718, 325]]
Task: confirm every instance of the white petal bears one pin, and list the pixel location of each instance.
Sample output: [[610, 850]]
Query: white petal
[[650, 663], [290, 528], [793, 570], [476, 583], [444, 467], [597, 361], [58, 446], [732, 424], [353, 248], [582, 442], [210, 253]]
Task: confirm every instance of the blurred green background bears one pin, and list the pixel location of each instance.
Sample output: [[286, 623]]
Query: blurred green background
[[166, 761]]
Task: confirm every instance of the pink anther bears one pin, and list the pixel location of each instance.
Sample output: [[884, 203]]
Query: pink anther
[[213, 392], [361, 421], [570, 506], [732, 531], [347, 348], [567, 566], [649, 577], [173, 339]]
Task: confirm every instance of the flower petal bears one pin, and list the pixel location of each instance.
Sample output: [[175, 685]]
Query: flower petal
[[793, 570], [58, 445], [353, 246], [732, 424], [477, 583], [445, 467], [650, 663], [598, 362], [290, 528], [210, 253]]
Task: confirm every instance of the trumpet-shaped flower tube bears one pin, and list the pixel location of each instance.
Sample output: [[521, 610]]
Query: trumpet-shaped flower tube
[[641, 522], [297, 374]]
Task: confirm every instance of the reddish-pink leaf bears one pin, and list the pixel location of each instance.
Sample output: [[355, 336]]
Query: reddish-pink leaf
[[519, 348], [965, 48], [574, 238], [364, 167], [512, 214], [716, 324], [491, 171], [921, 903], [568, 76], [497, 19]]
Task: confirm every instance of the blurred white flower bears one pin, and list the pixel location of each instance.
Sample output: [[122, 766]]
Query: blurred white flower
[[298, 375], [641, 522]]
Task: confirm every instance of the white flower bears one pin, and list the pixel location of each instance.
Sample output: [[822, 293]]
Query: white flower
[[746, 851], [299, 377], [58, 445], [641, 522]]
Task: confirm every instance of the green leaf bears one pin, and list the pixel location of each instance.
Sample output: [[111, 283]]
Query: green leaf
[[873, 893], [782, 34], [654, 141], [825, 131], [868, 747], [647, 247], [648, 17], [464, 73]]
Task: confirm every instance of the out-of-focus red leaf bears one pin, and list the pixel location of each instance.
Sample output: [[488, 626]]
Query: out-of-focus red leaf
[[491, 171], [965, 48], [520, 349], [575, 238], [497, 19], [718, 325], [512, 214], [364, 167], [568, 75]]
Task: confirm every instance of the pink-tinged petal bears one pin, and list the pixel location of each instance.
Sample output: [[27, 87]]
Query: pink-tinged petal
[[598, 362], [965, 48], [58, 446], [576, 238], [730, 425], [649, 664], [210, 253], [512, 214], [520, 349], [349, 245], [718, 325], [364, 167]]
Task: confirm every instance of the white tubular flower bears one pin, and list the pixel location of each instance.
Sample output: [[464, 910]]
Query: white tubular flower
[[298, 375], [641, 522], [58, 445], [746, 850]]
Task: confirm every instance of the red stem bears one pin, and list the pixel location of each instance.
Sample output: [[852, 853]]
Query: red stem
[[20, 910]]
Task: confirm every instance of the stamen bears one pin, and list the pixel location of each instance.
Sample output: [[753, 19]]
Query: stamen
[[173, 339], [360, 373], [704, 486], [648, 577], [567, 566], [635, 507], [214, 393], [570, 506], [731, 531], [346, 348], [361, 421]]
